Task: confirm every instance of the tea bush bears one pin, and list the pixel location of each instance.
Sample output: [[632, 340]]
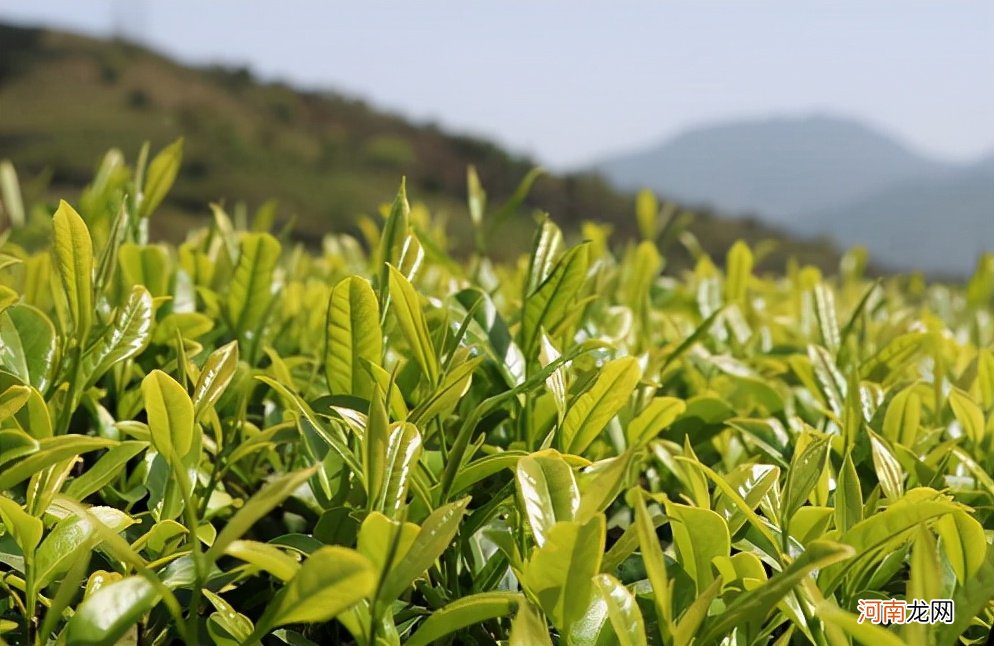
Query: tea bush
[[237, 440]]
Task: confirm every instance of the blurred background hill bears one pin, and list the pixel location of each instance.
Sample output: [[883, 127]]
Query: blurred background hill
[[325, 158]]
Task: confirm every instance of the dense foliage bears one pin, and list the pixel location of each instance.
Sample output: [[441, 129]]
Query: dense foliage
[[237, 440]]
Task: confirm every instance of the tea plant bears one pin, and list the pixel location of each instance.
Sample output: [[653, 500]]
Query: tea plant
[[237, 440]]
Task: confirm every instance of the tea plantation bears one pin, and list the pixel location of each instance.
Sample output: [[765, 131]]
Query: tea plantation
[[240, 440]]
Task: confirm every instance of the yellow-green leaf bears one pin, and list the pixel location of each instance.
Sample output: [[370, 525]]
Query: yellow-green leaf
[[590, 412], [170, 415], [74, 259], [547, 490], [410, 317], [160, 177], [968, 414], [352, 335]]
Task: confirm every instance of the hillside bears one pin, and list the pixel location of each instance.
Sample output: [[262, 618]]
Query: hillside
[[325, 158], [824, 176]]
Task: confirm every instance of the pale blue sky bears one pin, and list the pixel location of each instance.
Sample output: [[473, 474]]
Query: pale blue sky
[[570, 81]]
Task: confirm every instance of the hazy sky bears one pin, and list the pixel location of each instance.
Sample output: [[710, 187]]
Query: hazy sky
[[570, 81]]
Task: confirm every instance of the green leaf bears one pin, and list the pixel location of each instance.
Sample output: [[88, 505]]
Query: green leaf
[[146, 266], [925, 577], [889, 471], [546, 247], [352, 335], [700, 536], [895, 354], [437, 531], [374, 447], [655, 565], [968, 414], [751, 609], [464, 612], [218, 371], [106, 616], [104, 470], [25, 528], [160, 177], [126, 336], [864, 633], [647, 212], [69, 536], [657, 416], [805, 469], [739, 263], [744, 505], [688, 627], [226, 626], [547, 490], [252, 289], [560, 574], [403, 449], [330, 581], [10, 194], [903, 417], [264, 501], [969, 601], [623, 611], [590, 412], [34, 415], [395, 229], [485, 467], [554, 298], [170, 416], [890, 527], [601, 482], [50, 451], [411, 318], [74, 260], [848, 497], [528, 627], [476, 196], [12, 400], [265, 557], [828, 321], [28, 348], [384, 541], [964, 544], [831, 382], [446, 397]]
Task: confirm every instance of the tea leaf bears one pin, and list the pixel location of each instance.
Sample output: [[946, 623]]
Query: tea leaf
[[592, 410], [412, 323], [331, 580], [74, 259], [464, 612], [547, 490], [170, 415], [161, 175], [353, 335], [105, 616], [623, 611]]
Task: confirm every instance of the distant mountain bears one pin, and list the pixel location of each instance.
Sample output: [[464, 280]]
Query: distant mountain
[[825, 175], [937, 224]]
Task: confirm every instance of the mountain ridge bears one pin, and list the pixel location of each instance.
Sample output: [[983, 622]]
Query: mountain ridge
[[804, 172]]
